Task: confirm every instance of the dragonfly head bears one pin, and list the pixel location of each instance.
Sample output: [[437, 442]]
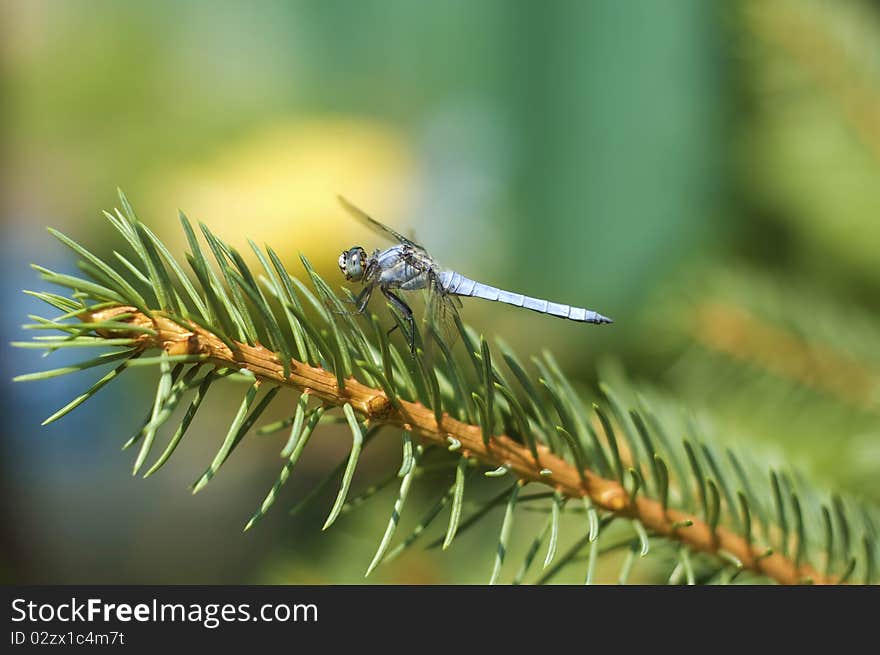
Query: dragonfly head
[[352, 263]]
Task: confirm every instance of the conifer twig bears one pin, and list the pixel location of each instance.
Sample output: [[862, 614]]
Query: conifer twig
[[374, 405]]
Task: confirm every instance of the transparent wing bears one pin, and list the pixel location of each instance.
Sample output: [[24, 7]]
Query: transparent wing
[[375, 225], [441, 312]]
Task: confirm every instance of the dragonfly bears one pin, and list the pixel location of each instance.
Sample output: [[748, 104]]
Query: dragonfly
[[407, 266]]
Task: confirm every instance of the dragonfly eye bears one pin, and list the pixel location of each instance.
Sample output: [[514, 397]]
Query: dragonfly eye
[[351, 262]]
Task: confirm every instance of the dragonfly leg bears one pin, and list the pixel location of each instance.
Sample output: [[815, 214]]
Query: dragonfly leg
[[404, 309], [363, 298], [361, 301]]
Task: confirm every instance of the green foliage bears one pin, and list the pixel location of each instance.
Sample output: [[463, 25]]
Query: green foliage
[[801, 369], [636, 436]]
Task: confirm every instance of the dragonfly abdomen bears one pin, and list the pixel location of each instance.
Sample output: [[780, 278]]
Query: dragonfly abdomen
[[458, 284]]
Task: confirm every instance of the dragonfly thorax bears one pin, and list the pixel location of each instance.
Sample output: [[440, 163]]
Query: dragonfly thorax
[[353, 262]]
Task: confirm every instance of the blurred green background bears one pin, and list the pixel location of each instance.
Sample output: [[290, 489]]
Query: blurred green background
[[705, 173]]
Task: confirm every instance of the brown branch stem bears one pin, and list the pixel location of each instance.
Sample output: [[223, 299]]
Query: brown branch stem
[[373, 404]]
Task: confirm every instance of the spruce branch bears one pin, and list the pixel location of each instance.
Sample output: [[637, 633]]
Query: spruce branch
[[275, 331], [374, 406], [744, 337]]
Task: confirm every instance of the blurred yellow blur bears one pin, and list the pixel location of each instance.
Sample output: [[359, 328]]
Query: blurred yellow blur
[[279, 185]]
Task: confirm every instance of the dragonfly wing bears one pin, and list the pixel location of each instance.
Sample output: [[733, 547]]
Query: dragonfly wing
[[375, 225], [442, 311]]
